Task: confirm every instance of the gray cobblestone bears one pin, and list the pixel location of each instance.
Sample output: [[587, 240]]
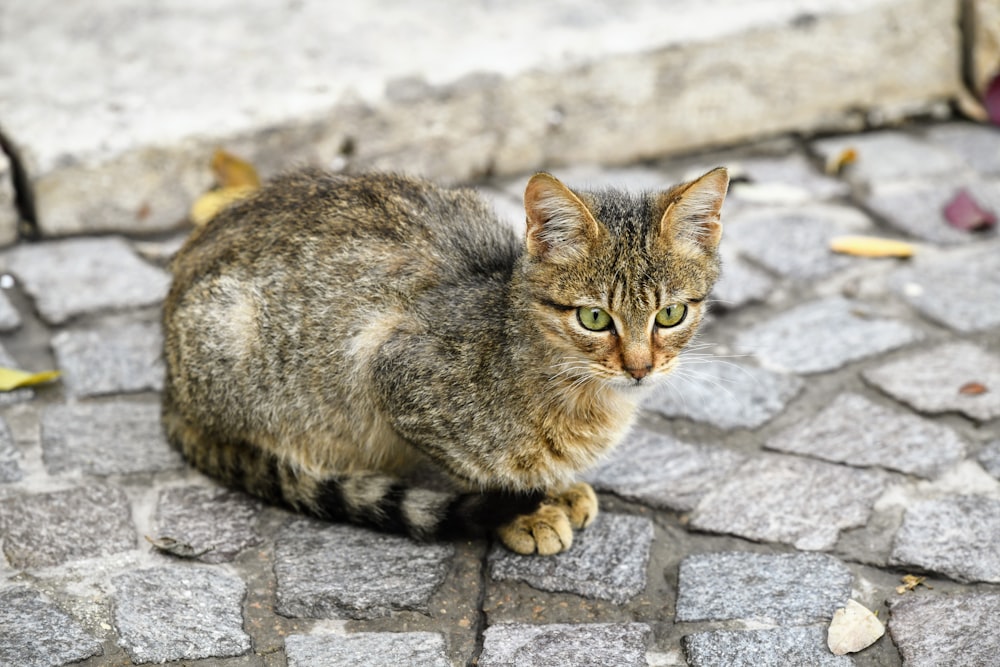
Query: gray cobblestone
[[977, 145], [334, 570], [663, 472], [856, 431], [52, 528], [956, 536], [779, 647], [741, 283], [110, 360], [959, 292], [222, 521], [824, 335], [36, 633], [890, 156], [82, 436], [787, 499], [766, 588], [958, 629], [725, 394], [367, 648], [607, 561], [790, 171], [552, 645], [989, 458], [931, 380], [805, 233], [179, 613], [10, 455], [10, 319], [95, 274], [917, 208]]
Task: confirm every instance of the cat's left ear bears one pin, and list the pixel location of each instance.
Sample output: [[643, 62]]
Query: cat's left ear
[[693, 212]]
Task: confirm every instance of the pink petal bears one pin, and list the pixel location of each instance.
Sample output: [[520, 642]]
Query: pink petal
[[962, 212], [991, 100]]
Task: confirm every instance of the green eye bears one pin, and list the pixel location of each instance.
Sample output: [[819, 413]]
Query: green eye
[[595, 319], [672, 315]]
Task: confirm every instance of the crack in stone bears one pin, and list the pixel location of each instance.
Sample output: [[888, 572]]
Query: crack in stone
[[24, 194]]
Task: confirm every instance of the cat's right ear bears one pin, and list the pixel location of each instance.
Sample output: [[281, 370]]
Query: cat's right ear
[[560, 227]]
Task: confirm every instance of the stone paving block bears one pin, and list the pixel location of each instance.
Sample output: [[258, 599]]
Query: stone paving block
[[989, 458], [780, 647], [53, 528], [956, 536], [335, 570], [978, 145], [889, 155], [959, 292], [662, 472], [798, 180], [931, 380], [106, 439], [557, 644], [741, 283], [367, 648], [823, 335], [768, 588], [935, 630], [917, 207], [607, 561], [858, 432], [37, 633], [10, 318], [179, 613], [212, 518], [86, 275], [724, 394], [795, 241], [792, 500], [110, 360], [10, 469]]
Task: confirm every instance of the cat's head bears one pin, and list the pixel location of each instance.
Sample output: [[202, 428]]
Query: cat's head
[[617, 282]]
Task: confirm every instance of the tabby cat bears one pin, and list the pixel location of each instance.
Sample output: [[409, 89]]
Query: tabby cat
[[330, 332]]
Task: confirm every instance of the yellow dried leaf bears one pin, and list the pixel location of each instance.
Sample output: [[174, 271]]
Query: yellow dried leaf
[[209, 204], [911, 581], [233, 172], [871, 246], [853, 628], [837, 162], [11, 378]]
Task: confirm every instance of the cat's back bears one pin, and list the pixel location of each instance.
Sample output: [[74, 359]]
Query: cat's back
[[385, 232]]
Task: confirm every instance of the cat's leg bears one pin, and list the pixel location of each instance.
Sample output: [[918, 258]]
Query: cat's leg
[[549, 529]]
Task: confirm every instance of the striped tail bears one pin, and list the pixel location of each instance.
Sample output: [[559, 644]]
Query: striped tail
[[369, 499]]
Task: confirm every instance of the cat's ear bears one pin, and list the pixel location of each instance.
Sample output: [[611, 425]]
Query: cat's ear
[[560, 227], [693, 213]]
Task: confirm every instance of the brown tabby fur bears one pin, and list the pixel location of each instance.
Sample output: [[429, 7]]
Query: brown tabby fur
[[330, 332]]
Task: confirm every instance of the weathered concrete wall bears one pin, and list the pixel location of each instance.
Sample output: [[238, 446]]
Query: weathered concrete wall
[[116, 112]]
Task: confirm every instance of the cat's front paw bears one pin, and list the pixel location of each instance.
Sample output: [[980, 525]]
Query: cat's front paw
[[579, 502], [545, 531]]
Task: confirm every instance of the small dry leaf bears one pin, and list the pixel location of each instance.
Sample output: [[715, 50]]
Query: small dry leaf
[[836, 163], [233, 172], [11, 378], [212, 202], [871, 246], [169, 545], [973, 388], [911, 581], [963, 212], [853, 628]]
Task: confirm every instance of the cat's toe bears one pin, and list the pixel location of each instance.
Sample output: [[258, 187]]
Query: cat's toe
[[579, 502], [545, 531]]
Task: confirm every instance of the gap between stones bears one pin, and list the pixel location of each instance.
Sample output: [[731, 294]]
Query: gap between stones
[[484, 575], [24, 195]]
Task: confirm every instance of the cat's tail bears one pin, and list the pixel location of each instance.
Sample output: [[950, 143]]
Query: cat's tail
[[374, 500]]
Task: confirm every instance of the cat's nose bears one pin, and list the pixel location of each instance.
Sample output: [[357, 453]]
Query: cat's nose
[[640, 371]]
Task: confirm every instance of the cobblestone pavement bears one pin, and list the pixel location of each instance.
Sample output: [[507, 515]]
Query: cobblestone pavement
[[816, 447]]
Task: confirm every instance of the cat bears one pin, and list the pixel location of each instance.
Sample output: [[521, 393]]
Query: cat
[[331, 332]]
